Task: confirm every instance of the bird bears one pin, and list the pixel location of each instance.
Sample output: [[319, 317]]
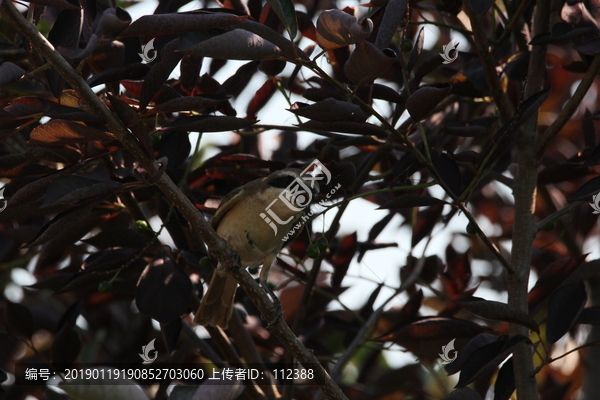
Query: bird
[[246, 219]]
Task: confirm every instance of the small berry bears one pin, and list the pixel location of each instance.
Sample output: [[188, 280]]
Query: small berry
[[205, 262], [322, 244], [407, 45], [471, 230], [142, 226], [105, 287], [312, 251]]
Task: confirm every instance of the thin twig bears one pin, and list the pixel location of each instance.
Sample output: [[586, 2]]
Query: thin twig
[[551, 360], [487, 61]]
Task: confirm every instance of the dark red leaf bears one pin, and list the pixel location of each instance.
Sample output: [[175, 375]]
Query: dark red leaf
[[394, 12], [329, 109], [564, 307], [237, 44], [170, 332], [126, 72], [481, 6], [59, 224], [342, 257], [449, 173], [131, 118], [53, 282], [117, 236], [463, 394], [64, 4], [10, 73], [208, 123], [159, 73], [498, 311], [591, 47], [69, 318], [551, 278], [589, 315], [65, 346], [71, 189], [335, 28], [59, 132], [367, 63], [517, 68], [426, 221], [114, 20], [379, 91], [168, 24], [425, 99], [458, 273], [20, 319], [345, 127], [234, 85], [164, 290], [65, 32], [107, 260], [410, 311], [487, 358], [416, 51], [190, 70], [483, 339], [432, 328], [188, 103], [175, 147], [586, 190], [287, 47], [261, 98], [367, 309], [457, 129], [430, 270], [505, 381], [74, 114], [380, 226]]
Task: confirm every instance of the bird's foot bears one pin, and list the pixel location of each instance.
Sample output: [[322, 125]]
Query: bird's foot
[[276, 304]]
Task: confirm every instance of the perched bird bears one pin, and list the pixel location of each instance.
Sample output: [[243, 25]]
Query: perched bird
[[255, 220]]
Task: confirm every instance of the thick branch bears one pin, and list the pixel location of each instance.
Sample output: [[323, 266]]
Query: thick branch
[[525, 228], [219, 248]]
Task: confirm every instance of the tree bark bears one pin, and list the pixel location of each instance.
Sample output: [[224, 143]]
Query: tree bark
[[525, 227]]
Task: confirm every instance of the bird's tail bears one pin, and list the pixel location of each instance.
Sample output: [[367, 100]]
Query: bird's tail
[[216, 306]]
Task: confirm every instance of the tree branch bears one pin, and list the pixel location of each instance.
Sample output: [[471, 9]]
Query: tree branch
[[489, 66], [525, 229]]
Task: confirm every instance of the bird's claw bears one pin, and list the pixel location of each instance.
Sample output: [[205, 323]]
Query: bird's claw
[[276, 304]]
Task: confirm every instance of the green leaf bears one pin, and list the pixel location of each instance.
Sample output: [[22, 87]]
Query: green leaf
[[287, 14]]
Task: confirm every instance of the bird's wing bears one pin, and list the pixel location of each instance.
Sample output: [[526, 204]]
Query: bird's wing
[[298, 231], [228, 201]]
